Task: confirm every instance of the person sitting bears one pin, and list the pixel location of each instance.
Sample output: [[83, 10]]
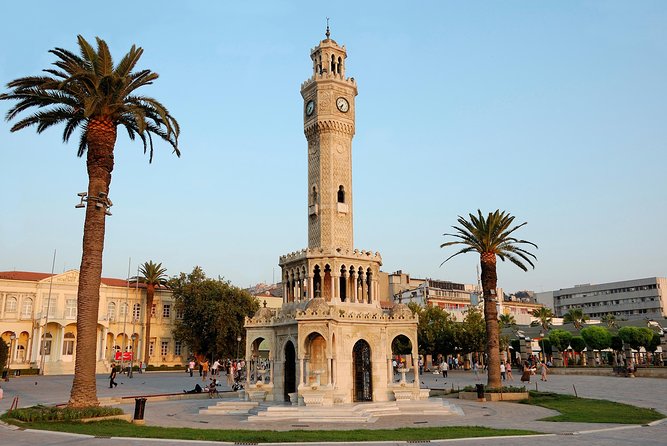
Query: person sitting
[[212, 389], [197, 389]]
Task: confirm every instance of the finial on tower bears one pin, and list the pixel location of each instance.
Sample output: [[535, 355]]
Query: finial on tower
[[328, 34]]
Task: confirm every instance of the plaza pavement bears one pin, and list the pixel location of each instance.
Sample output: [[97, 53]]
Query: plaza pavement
[[644, 392]]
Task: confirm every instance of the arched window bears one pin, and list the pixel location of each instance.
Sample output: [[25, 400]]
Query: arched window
[[10, 305], [26, 307], [333, 63], [123, 310], [68, 344], [341, 194], [111, 311]]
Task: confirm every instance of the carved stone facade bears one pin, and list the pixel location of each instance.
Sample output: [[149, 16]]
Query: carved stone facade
[[330, 342]]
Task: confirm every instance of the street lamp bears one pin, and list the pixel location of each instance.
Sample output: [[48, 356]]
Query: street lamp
[[238, 346], [12, 337], [133, 338]]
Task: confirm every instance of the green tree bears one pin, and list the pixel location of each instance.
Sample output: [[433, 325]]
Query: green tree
[[472, 334], [90, 93], [4, 354], [576, 317], [560, 339], [491, 238], [636, 337], [437, 330], [213, 313], [597, 338], [578, 344], [153, 276]]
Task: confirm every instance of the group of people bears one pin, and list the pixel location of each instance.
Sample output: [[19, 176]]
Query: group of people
[[530, 367]]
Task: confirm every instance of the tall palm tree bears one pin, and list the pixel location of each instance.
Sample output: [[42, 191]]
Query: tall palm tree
[[576, 317], [153, 275], [491, 237], [90, 93], [544, 318]]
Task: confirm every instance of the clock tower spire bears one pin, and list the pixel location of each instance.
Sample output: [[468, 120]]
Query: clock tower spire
[[329, 128]]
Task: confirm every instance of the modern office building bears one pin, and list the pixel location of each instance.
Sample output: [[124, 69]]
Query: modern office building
[[629, 299]]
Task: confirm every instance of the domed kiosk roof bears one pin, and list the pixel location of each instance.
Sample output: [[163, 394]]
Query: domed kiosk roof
[[400, 310], [318, 305], [263, 313]]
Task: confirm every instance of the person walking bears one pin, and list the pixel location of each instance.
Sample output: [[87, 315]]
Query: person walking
[[502, 370], [525, 376], [475, 369], [508, 371], [191, 367], [204, 369], [215, 368], [444, 367], [543, 371], [112, 377]]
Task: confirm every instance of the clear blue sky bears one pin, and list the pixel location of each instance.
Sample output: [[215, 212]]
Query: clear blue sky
[[554, 111]]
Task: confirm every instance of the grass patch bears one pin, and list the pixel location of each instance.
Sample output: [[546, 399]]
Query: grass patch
[[49, 413], [117, 428], [503, 389], [584, 410]]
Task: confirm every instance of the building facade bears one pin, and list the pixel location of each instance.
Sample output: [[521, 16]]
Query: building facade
[[628, 299], [330, 342], [38, 322]]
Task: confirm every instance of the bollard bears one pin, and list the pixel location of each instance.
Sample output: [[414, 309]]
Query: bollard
[[139, 408], [480, 391]]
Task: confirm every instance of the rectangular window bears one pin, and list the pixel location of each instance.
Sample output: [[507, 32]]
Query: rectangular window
[[123, 311], [70, 309], [179, 313], [164, 347], [166, 311], [153, 310], [177, 348], [136, 312], [151, 347], [51, 304]]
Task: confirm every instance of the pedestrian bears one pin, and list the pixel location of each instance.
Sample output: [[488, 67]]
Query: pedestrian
[[191, 367], [502, 370], [201, 368], [444, 367], [525, 376], [112, 377], [475, 369], [394, 364], [421, 366], [544, 371], [508, 371], [215, 367], [204, 369], [141, 367]]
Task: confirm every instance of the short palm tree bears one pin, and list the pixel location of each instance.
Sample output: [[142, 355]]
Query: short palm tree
[[543, 318], [610, 320], [90, 93], [576, 317], [491, 237], [506, 321], [153, 276]]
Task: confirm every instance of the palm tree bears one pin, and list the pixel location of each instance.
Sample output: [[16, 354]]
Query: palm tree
[[89, 93], [153, 275], [544, 318], [575, 316], [491, 237], [610, 320], [506, 321]]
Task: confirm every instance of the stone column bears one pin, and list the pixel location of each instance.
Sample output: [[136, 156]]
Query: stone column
[[354, 288], [311, 289], [285, 297], [37, 347], [329, 371], [333, 371], [301, 366], [360, 287], [415, 366], [271, 362], [390, 371]]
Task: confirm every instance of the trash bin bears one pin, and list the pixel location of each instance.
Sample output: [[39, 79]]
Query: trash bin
[[139, 407], [480, 390], [4, 374]]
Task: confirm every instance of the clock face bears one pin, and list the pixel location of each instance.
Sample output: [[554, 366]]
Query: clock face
[[342, 105], [310, 108]]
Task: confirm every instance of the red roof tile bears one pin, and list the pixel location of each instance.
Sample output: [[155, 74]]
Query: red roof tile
[[30, 276]]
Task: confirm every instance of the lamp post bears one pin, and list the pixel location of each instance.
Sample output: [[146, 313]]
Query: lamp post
[[12, 337], [544, 354], [133, 338], [238, 346]]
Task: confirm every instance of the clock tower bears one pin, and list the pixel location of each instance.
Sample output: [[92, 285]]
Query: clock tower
[[328, 121]]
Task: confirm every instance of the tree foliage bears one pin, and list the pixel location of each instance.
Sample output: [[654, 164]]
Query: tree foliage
[[437, 331], [578, 344], [4, 354], [543, 318], [560, 339], [636, 337], [472, 335], [213, 313], [597, 338], [576, 317], [506, 321]]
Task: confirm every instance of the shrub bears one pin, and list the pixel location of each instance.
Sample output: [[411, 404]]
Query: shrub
[[47, 413], [503, 389]]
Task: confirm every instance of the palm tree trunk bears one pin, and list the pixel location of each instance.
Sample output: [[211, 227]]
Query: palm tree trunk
[[150, 295], [101, 136], [489, 283]]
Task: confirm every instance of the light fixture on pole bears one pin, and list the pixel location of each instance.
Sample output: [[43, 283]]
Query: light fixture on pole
[[238, 346], [102, 201], [134, 338], [12, 337]]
